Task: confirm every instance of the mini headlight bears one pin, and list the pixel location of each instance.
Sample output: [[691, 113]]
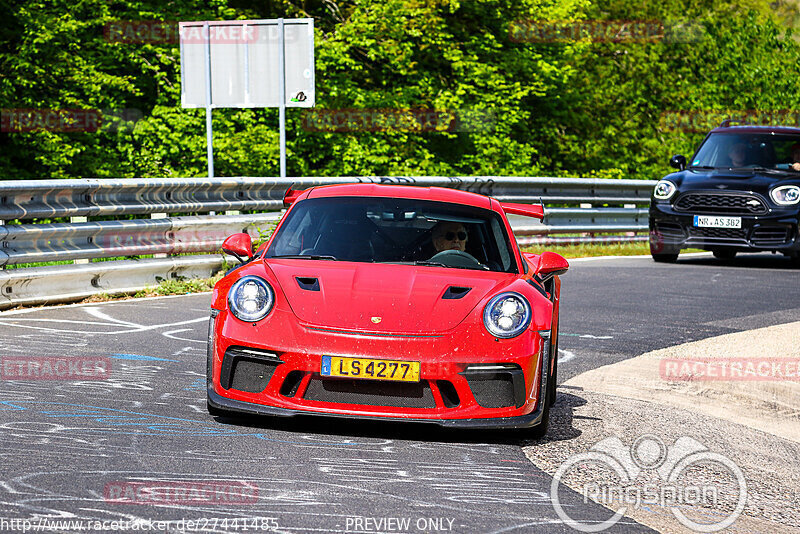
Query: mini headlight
[[786, 195], [507, 315], [664, 190], [251, 298]]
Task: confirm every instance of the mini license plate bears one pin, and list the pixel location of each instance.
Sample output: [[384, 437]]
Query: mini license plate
[[398, 370], [706, 221]]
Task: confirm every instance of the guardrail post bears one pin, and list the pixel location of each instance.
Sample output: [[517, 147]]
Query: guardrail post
[[158, 216], [74, 220]]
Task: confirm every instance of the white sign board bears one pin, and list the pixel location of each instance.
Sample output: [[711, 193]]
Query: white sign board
[[243, 60]]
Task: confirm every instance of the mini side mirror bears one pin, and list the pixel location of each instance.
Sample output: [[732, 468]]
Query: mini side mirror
[[239, 246], [678, 162]]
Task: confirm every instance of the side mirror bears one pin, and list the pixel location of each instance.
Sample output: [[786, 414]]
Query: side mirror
[[678, 162], [239, 246], [551, 264]]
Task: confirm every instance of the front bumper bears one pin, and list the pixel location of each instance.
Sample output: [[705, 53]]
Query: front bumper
[[672, 230], [275, 380]]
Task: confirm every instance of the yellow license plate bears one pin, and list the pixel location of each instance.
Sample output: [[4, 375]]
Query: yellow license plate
[[399, 370]]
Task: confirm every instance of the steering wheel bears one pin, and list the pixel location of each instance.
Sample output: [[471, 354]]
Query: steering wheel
[[458, 258]]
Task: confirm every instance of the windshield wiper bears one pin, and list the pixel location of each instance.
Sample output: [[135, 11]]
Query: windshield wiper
[[304, 257], [430, 263], [706, 167]]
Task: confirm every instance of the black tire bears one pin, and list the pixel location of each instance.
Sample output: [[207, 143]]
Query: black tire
[[540, 430], [665, 258], [551, 392], [724, 253]]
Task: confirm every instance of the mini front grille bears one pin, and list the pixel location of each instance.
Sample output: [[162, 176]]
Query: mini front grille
[[770, 235], [371, 393], [718, 233], [721, 203]]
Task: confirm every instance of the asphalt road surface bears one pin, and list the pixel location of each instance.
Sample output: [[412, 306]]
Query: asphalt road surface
[[81, 450]]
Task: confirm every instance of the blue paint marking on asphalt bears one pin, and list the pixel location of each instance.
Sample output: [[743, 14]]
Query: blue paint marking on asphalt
[[7, 406], [140, 358], [169, 424], [200, 383]]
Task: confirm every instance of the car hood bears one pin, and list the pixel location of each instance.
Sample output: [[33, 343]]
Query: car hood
[[381, 298], [726, 180]]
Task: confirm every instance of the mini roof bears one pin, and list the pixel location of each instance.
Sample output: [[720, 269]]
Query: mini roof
[[749, 128]]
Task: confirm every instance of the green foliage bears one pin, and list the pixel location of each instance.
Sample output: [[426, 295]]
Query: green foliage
[[564, 108]]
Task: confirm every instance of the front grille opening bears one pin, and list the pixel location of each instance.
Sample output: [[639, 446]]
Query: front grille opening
[[371, 393], [250, 375], [246, 369], [719, 233], [669, 229], [449, 393], [291, 383], [722, 203], [498, 386], [771, 235]]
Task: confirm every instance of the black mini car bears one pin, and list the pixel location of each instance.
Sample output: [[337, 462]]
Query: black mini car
[[739, 193]]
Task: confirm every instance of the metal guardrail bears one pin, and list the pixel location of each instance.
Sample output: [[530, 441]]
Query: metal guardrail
[[31, 242]]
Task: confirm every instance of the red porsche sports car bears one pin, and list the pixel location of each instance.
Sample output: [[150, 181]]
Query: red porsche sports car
[[388, 302]]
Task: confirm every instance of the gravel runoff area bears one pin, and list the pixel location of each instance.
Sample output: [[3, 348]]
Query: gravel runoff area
[[731, 403]]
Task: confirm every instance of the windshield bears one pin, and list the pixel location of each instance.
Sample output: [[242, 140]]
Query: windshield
[[390, 230], [749, 150]]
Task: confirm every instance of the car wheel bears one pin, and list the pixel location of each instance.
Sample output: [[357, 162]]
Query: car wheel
[[665, 258], [724, 253], [539, 431], [549, 398]]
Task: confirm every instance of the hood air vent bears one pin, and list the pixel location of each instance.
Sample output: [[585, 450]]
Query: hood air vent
[[455, 292], [309, 284]]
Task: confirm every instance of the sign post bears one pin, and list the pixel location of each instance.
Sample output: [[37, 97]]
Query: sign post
[[247, 64]]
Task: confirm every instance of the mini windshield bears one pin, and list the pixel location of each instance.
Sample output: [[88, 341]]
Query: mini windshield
[[749, 150], [391, 230]]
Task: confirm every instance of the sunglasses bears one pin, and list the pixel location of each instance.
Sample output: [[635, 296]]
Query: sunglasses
[[462, 236]]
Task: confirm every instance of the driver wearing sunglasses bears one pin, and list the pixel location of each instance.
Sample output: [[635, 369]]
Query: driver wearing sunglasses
[[449, 236]]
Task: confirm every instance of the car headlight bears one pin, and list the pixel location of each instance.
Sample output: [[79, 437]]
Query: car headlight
[[251, 298], [507, 315], [664, 190], [786, 195]]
